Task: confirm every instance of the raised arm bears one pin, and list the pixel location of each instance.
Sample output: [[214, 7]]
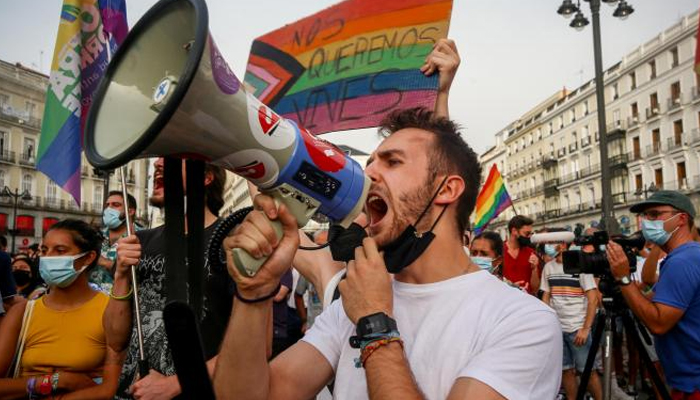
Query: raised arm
[[443, 59]]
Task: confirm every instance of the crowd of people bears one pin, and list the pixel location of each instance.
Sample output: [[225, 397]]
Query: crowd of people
[[417, 308]]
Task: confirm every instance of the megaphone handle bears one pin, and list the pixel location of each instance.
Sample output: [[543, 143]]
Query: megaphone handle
[[246, 263], [300, 205]]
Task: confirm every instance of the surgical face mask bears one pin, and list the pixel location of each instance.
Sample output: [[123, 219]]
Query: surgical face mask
[[575, 247], [112, 218], [59, 271], [654, 231], [551, 250], [485, 263]]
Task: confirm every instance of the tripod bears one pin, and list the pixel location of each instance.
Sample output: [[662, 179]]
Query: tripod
[[614, 305]]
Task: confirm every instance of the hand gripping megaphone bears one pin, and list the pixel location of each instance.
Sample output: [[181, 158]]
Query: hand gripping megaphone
[[169, 92]]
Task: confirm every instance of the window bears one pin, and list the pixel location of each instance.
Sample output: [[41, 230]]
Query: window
[[615, 92], [652, 69], [638, 183], [573, 114], [98, 197], [654, 102], [51, 190], [2, 178], [585, 107], [561, 121], [636, 148], [635, 112], [28, 149], [659, 178], [27, 183], [676, 93], [4, 101], [633, 80], [616, 117], [674, 57], [678, 132], [681, 175], [30, 108], [4, 143], [656, 139]]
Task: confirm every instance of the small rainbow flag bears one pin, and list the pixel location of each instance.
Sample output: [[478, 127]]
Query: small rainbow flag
[[347, 66], [492, 200]]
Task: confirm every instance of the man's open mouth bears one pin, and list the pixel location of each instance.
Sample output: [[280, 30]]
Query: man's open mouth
[[376, 209]]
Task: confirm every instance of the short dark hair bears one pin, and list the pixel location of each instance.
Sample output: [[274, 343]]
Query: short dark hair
[[85, 236], [450, 154], [131, 200], [3, 241], [494, 238], [214, 192], [518, 222]]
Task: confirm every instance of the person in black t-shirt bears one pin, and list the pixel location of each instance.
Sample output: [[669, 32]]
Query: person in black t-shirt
[[147, 249]]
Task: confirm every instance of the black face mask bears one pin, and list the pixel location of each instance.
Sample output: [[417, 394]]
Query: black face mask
[[21, 277], [406, 248], [524, 241], [344, 241]]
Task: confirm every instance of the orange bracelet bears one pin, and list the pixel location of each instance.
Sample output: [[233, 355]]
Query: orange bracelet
[[370, 348]]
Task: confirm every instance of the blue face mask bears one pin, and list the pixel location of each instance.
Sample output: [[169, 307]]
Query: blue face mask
[[484, 263], [551, 250], [59, 271], [575, 247], [654, 231], [112, 218]]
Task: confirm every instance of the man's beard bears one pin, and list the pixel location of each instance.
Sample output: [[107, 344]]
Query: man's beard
[[412, 205], [157, 201]]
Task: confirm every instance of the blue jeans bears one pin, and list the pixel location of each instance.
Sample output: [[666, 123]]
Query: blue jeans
[[575, 356]]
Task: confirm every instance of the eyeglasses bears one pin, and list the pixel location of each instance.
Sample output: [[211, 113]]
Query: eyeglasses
[[655, 214]]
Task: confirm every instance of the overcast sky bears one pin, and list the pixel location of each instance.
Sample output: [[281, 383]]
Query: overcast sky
[[515, 53]]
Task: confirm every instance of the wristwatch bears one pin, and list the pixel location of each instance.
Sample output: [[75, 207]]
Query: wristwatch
[[372, 325], [625, 280]]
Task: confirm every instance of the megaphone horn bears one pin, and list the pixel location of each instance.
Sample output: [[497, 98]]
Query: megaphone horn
[[169, 92]]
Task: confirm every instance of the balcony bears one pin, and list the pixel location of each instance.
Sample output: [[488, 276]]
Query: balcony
[[573, 147], [636, 155], [7, 156], [615, 126], [653, 149], [15, 117], [675, 143], [633, 121], [590, 170], [674, 103], [561, 152], [619, 161], [96, 207], [569, 177], [27, 159], [585, 142], [619, 198], [652, 112], [52, 203], [549, 161]]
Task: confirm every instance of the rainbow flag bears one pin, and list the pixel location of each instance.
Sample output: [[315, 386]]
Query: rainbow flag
[[347, 66], [492, 200], [87, 30]]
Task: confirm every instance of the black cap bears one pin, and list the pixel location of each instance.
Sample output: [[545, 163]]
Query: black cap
[[671, 198]]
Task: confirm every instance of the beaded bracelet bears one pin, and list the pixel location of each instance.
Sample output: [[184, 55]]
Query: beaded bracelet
[[45, 385], [369, 348], [31, 384], [121, 298], [259, 299], [54, 382]]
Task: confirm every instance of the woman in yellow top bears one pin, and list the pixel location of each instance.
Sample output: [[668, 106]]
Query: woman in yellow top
[[65, 355]]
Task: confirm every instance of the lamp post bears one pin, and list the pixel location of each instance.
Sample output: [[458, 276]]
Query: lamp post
[[623, 10], [16, 196]]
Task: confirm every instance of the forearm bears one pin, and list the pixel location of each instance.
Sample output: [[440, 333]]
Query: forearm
[[535, 280], [110, 380], [591, 308], [13, 388], [389, 375], [9, 335], [643, 308], [318, 267], [243, 358], [117, 319], [649, 268], [441, 104]]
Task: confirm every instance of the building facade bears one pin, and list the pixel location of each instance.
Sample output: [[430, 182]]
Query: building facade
[[39, 202], [653, 125]]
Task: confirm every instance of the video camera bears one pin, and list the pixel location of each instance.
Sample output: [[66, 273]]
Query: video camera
[[596, 262]]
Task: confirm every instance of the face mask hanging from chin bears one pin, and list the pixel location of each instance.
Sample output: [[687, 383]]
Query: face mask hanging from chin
[[398, 254]]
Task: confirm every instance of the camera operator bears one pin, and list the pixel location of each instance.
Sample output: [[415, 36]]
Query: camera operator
[[673, 314]]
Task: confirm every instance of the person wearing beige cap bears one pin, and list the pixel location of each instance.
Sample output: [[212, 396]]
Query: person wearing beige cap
[[673, 313]]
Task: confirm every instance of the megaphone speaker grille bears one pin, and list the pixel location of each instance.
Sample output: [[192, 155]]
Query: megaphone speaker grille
[[145, 81]]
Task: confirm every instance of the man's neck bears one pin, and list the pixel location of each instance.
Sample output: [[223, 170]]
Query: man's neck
[[513, 243], [681, 237], [445, 258], [209, 219], [115, 234]]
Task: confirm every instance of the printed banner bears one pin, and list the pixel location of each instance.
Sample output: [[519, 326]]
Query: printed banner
[[347, 66], [87, 31]]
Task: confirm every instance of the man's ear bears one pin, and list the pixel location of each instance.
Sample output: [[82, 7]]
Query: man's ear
[[451, 190], [208, 178]]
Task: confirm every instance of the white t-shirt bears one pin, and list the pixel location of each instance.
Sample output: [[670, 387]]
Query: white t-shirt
[[472, 325], [568, 295]]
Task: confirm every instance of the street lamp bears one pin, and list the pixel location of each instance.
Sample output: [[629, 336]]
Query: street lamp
[[16, 196], [579, 22]]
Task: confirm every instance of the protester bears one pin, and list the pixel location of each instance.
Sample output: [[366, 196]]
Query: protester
[[114, 227], [487, 252], [64, 353], [460, 330], [574, 299], [673, 314], [147, 250], [520, 263], [28, 285]]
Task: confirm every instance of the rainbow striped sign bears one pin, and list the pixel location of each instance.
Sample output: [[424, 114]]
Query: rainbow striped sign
[[347, 66]]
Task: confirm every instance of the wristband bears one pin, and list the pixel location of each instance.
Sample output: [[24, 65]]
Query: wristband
[[369, 349], [259, 299], [54, 382], [45, 385], [31, 383], [121, 298]]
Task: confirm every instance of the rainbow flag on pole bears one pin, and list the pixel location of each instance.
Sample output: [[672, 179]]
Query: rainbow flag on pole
[[492, 200], [87, 32]]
